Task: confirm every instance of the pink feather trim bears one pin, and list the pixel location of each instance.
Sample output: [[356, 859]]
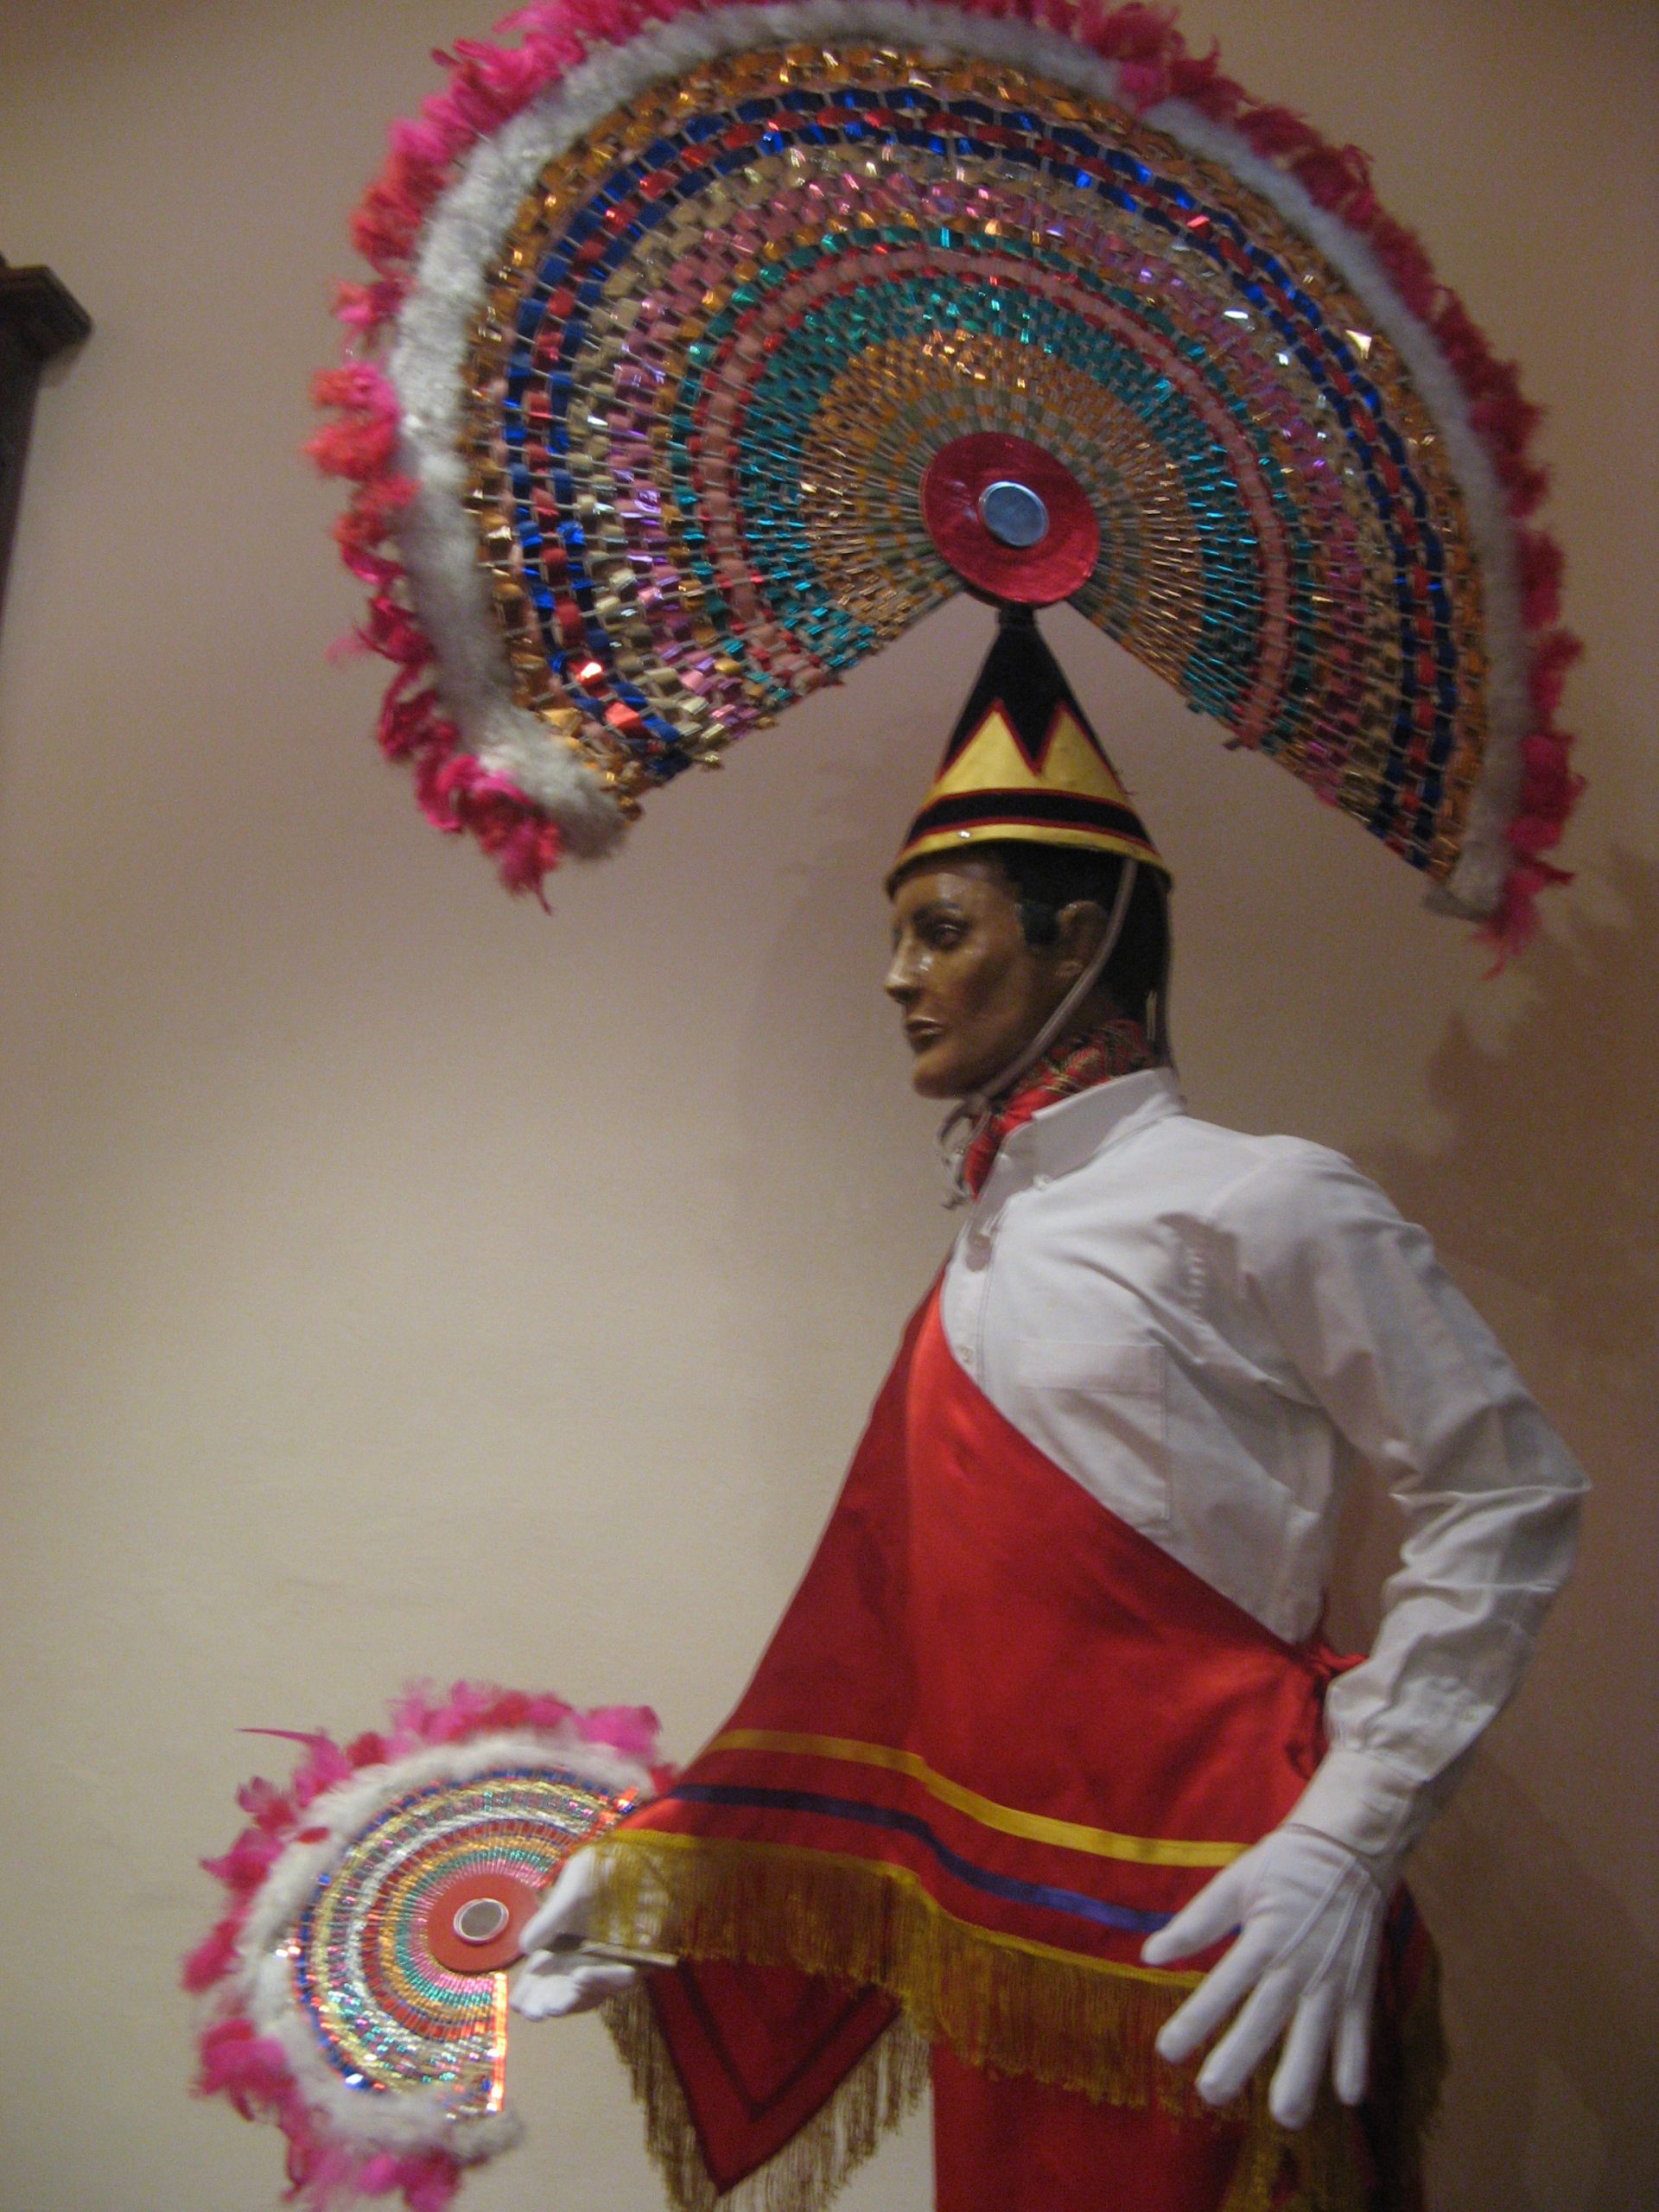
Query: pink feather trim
[[488, 84], [251, 2070]]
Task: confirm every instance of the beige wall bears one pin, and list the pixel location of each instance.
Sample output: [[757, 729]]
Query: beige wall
[[401, 1282]]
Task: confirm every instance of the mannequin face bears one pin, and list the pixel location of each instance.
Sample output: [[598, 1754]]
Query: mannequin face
[[972, 992]]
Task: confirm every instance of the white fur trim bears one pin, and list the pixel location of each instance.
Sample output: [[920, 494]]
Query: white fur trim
[[461, 241], [261, 1983]]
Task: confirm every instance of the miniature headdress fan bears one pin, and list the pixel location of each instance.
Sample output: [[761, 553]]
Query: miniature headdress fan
[[354, 1990], [676, 306]]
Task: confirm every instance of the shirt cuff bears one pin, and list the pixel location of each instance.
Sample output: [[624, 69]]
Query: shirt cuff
[[1363, 1801]]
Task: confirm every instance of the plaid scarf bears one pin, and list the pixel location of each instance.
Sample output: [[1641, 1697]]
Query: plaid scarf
[[1078, 1063]]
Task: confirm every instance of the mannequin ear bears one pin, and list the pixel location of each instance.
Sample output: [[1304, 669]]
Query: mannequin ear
[[1078, 929]]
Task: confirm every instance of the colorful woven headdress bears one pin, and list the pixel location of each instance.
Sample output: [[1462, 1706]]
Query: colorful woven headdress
[[677, 306]]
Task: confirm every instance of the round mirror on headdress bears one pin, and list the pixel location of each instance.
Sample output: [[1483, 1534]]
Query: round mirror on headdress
[[710, 346]]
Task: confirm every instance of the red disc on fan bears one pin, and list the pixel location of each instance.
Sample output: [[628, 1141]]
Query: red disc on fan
[[473, 1923], [1013, 522]]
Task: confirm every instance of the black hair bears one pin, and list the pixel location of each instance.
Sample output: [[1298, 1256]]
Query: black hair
[[1048, 878]]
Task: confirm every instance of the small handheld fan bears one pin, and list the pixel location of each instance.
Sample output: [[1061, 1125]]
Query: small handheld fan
[[357, 1985]]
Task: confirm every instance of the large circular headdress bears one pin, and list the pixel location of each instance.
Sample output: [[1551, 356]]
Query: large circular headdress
[[678, 305]]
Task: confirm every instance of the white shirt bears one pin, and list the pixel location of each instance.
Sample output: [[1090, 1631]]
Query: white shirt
[[1210, 1332]]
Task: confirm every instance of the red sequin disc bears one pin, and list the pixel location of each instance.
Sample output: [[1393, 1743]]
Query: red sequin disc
[[1062, 560]]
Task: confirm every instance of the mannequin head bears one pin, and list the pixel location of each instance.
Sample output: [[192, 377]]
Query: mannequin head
[[985, 947]]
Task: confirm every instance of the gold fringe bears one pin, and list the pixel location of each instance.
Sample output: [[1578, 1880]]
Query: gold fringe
[[813, 2166], [1005, 2005], [1312, 2169], [1002, 2004]]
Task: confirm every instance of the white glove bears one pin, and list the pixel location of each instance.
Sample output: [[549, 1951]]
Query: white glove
[[551, 1983], [1309, 1916]]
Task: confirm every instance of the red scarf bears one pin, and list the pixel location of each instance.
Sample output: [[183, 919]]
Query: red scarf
[[1082, 1060]]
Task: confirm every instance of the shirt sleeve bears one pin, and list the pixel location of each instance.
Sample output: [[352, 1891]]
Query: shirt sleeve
[[1381, 1339]]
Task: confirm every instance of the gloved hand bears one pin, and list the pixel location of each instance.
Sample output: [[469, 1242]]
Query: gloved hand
[[1309, 1915], [551, 1982]]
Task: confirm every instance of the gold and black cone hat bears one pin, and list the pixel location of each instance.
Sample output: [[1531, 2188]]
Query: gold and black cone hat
[[1024, 763]]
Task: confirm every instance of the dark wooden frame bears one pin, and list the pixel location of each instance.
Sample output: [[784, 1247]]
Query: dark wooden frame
[[38, 317]]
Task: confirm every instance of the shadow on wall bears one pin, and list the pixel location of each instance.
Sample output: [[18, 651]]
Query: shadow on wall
[[1546, 1181], [1552, 2014], [1548, 1176]]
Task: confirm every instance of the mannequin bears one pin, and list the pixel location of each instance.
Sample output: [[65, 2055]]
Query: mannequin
[[1157, 1352], [973, 991]]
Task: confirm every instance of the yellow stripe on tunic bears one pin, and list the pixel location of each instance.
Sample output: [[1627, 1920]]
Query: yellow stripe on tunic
[[1035, 1827]]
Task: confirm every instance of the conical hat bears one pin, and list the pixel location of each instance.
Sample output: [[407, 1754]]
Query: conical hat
[[1023, 763]]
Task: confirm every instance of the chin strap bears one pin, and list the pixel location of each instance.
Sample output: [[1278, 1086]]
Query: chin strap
[[969, 1115], [1158, 1025]]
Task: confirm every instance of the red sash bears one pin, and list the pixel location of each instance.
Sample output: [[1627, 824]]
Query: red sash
[[998, 1737]]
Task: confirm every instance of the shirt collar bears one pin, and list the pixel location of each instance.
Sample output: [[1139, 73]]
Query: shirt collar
[[1073, 1130]]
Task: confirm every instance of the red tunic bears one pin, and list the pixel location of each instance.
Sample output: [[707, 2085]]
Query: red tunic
[[998, 1738]]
